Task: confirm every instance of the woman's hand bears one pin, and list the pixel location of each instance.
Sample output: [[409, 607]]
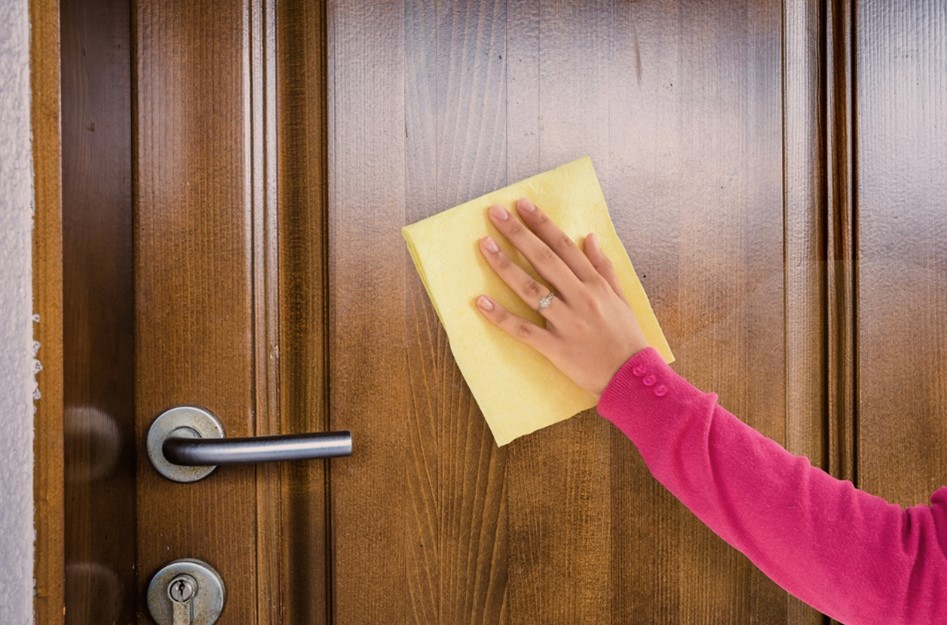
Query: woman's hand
[[590, 331]]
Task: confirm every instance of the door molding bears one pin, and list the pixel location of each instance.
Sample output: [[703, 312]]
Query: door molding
[[49, 599]]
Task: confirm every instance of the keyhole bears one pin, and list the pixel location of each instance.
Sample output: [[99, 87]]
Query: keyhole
[[186, 591], [181, 590]]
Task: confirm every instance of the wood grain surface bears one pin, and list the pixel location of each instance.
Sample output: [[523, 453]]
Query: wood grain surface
[[457, 561], [372, 540], [48, 484], [561, 486], [694, 181], [901, 239], [200, 212], [98, 313], [806, 323], [303, 373], [231, 238], [431, 104]]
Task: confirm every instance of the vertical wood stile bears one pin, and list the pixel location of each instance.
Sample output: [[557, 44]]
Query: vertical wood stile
[[901, 253], [303, 327], [840, 232], [99, 434], [49, 570], [899, 107], [368, 391], [804, 240], [260, 182], [559, 480], [199, 265], [695, 188]]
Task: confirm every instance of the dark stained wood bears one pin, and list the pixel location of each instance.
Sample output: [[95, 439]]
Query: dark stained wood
[[840, 243], [98, 335], [203, 256], [303, 372], [901, 230], [49, 569]]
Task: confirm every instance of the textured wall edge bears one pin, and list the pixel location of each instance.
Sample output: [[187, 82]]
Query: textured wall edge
[[17, 379]]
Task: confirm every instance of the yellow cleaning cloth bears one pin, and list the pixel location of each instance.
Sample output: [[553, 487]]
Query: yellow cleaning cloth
[[518, 390]]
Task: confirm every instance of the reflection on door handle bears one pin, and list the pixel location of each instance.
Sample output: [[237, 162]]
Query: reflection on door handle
[[195, 452], [186, 444]]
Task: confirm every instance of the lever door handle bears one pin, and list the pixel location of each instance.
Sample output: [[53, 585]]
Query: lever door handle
[[195, 452], [186, 444]]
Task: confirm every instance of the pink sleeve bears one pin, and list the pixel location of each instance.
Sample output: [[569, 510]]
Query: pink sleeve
[[849, 554]]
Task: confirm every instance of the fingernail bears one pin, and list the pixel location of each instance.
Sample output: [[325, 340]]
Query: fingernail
[[491, 245], [526, 205], [484, 303], [592, 240], [499, 212]]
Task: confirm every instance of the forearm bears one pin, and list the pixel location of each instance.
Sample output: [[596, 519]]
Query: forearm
[[847, 553]]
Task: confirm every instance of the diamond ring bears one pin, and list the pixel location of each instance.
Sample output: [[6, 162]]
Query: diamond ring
[[545, 301]]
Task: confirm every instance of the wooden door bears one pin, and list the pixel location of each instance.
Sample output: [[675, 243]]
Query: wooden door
[[239, 214], [434, 103]]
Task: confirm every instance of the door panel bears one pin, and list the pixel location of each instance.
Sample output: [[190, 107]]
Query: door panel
[[693, 176], [902, 249], [431, 104]]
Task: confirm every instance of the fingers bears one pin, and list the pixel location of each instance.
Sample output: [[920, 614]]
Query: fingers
[[602, 264], [544, 259], [554, 238], [523, 284], [538, 338]]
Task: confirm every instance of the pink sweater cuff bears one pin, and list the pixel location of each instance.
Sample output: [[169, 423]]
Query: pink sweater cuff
[[646, 388]]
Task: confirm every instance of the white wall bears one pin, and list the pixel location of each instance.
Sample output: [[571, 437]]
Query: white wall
[[16, 352]]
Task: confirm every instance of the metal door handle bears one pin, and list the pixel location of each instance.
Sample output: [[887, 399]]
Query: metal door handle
[[187, 443], [195, 452]]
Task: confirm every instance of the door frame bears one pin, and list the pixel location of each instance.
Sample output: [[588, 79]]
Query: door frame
[[48, 476]]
